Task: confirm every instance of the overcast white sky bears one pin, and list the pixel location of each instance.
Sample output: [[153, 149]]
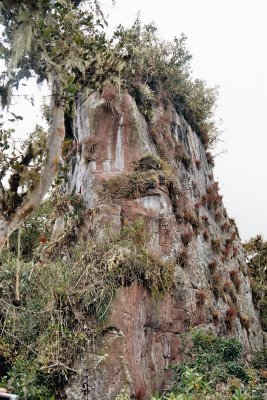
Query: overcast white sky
[[227, 39]]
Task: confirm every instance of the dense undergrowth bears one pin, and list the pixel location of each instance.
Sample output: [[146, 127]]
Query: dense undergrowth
[[65, 294], [256, 254], [214, 370]]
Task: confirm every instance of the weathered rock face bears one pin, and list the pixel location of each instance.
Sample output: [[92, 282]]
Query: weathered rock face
[[188, 225]]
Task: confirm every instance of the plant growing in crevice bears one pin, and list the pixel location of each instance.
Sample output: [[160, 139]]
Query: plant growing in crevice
[[234, 275], [191, 218], [140, 392], [201, 296], [210, 159], [205, 220], [230, 316], [186, 237], [216, 245], [152, 162], [89, 147], [206, 235], [109, 95], [213, 267], [133, 185], [198, 164], [181, 155], [183, 258], [245, 321], [215, 316]]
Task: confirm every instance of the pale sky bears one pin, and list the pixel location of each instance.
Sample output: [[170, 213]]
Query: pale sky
[[227, 39]]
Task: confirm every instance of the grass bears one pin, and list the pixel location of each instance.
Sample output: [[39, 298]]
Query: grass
[[64, 303], [150, 173]]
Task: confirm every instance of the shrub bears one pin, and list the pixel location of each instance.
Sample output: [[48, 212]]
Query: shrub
[[226, 251], [259, 359], [152, 162], [217, 278], [214, 370], [238, 370], [230, 348], [227, 287]]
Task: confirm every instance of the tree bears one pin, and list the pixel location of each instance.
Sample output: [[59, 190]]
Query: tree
[[63, 43], [256, 255]]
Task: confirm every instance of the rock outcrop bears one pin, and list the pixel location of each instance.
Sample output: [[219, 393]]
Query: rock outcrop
[[162, 173]]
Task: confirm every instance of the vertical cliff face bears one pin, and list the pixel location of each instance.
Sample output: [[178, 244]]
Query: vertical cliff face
[[161, 173]]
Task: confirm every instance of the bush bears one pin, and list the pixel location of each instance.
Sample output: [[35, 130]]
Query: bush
[[214, 361], [259, 359], [238, 370], [159, 71]]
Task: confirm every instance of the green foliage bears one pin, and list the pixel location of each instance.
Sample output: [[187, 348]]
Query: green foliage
[[256, 256], [20, 166], [238, 369], [159, 71], [59, 36], [33, 232], [215, 361], [22, 379], [64, 303], [260, 358]]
